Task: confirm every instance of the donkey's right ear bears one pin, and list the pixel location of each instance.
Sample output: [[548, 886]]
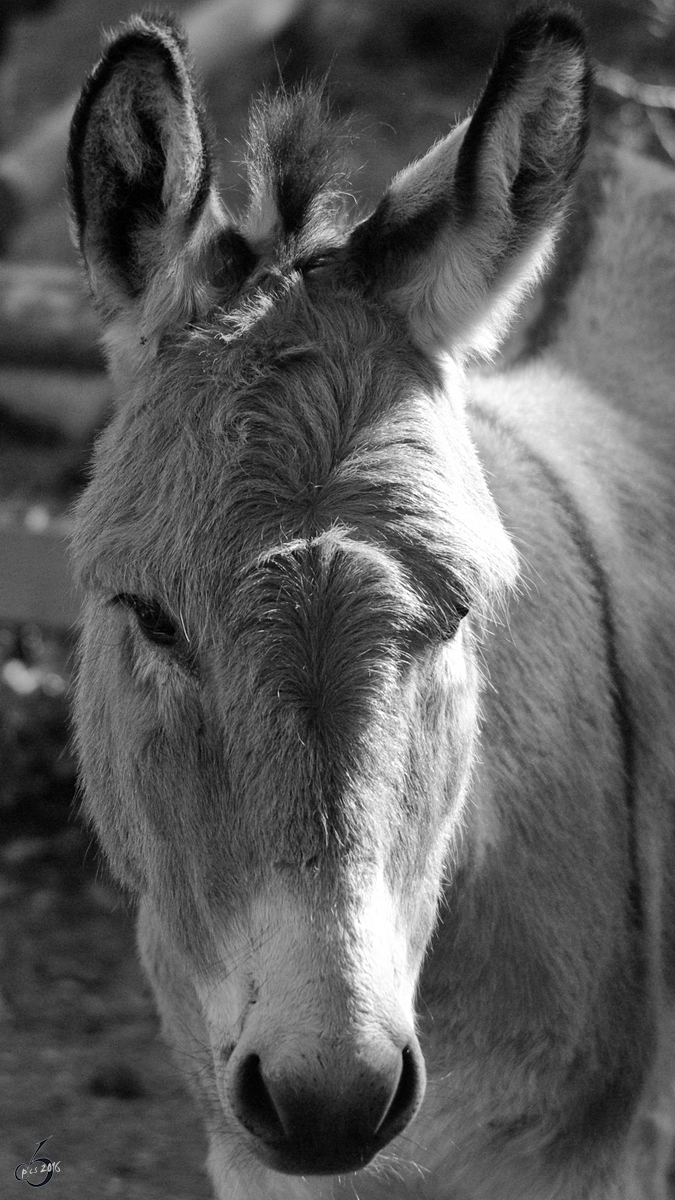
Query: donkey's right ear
[[148, 219]]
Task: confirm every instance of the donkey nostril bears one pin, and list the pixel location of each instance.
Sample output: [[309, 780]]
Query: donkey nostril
[[407, 1097], [255, 1108], [309, 1119]]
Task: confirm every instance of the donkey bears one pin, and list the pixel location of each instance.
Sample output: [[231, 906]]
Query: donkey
[[376, 695]]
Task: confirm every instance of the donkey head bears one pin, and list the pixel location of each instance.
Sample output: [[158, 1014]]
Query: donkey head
[[289, 553]]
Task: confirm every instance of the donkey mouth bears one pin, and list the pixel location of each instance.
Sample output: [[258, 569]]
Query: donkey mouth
[[315, 1158]]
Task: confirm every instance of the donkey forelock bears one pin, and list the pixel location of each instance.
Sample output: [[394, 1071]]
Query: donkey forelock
[[297, 167]]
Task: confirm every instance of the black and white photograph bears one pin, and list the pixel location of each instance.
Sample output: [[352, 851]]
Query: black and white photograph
[[337, 599]]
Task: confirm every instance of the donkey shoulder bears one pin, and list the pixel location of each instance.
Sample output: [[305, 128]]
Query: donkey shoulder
[[606, 308]]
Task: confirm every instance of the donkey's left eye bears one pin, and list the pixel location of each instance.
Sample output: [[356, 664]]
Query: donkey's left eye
[[154, 623], [444, 621]]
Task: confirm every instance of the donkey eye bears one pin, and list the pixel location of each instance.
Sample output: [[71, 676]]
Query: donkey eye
[[453, 619], [445, 620], [154, 623]]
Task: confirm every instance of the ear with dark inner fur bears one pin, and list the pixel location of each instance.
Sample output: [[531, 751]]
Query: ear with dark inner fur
[[148, 219], [462, 233]]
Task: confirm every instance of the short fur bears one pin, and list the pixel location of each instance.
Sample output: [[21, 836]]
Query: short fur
[[377, 680]]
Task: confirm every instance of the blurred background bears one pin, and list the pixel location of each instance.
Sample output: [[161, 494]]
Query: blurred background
[[79, 1055]]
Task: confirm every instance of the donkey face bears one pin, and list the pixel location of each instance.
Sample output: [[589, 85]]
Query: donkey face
[[290, 551]]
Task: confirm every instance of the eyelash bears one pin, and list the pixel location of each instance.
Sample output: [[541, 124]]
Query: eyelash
[[154, 623]]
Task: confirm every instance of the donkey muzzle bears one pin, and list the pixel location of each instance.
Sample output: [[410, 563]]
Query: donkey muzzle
[[314, 1110]]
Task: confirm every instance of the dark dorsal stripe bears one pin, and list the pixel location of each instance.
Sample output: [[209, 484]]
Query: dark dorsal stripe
[[572, 253]]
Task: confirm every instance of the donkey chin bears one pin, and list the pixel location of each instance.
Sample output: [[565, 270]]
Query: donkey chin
[[307, 1059]]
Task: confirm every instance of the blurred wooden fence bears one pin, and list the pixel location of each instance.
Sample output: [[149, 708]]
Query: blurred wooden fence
[[51, 375]]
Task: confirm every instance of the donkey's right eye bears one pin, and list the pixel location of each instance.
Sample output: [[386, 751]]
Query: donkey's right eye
[[154, 623]]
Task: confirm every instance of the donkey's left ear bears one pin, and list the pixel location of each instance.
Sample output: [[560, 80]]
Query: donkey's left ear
[[147, 217], [463, 232]]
